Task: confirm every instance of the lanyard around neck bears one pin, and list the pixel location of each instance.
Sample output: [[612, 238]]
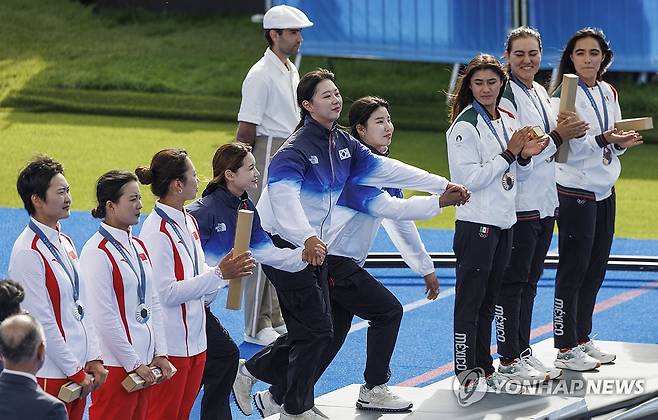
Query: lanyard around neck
[[176, 229], [603, 125], [487, 119], [73, 274], [141, 277], [539, 107]]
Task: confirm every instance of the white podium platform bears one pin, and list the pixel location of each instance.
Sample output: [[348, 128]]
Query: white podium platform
[[573, 393]]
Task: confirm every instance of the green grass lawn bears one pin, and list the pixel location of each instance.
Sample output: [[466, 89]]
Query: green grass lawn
[[58, 55], [89, 145]]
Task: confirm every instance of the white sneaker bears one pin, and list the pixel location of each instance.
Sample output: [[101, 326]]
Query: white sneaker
[[380, 398], [242, 389], [520, 371], [281, 329], [501, 384], [551, 372], [265, 404], [575, 359], [264, 337], [594, 351], [312, 414]]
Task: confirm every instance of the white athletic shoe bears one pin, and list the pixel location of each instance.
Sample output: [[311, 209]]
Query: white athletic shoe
[[312, 414], [381, 398], [520, 371], [264, 337], [281, 329], [575, 359], [551, 372], [595, 352], [242, 389], [501, 384], [265, 404]]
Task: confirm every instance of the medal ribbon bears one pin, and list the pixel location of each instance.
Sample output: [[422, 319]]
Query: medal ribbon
[[73, 278], [540, 107], [485, 116], [176, 229], [602, 125], [141, 277]]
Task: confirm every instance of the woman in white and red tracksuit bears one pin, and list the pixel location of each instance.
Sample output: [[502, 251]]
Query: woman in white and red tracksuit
[[123, 301], [183, 281], [44, 261]]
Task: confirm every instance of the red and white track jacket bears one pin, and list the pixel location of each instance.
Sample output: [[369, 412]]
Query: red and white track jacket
[[113, 300], [70, 343], [181, 292]]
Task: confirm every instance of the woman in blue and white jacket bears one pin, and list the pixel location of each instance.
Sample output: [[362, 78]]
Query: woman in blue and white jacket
[[305, 179], [234, 173], [360, 211], [487, 152]]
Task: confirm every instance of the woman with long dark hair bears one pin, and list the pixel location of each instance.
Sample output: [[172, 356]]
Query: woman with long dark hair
[[586, 193], [183, 281], [488, 153]]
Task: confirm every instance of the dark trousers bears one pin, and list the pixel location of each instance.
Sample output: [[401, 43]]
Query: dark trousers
[[586, 230], [290, 363], [513, 311], [222, 358], [355, 292], [482, 253]]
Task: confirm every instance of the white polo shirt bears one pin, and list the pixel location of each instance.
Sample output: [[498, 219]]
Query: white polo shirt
[[269, 97]]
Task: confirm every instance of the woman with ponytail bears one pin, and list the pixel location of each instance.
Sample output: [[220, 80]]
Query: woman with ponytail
[[123, 301], [183, 281]]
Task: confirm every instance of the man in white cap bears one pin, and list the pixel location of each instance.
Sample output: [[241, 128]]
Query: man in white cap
[[268, 115]]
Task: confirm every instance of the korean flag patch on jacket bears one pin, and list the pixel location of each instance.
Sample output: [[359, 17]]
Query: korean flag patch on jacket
[[344, 154]]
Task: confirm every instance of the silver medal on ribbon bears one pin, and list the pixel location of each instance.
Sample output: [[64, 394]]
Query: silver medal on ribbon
[[78, 310], [142, 313]]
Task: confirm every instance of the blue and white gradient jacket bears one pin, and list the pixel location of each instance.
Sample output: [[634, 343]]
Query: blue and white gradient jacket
[[308, 174], [360, 211], [217, 215]]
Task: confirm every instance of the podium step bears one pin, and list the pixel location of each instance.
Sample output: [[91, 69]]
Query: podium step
[[634, 373]]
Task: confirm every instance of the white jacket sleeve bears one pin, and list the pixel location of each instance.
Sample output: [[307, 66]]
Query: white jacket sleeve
[[27, 269], [375, 171], [104, 310], [464, 159], [171, 291], [412, 208], [406, 239], [582, 147]]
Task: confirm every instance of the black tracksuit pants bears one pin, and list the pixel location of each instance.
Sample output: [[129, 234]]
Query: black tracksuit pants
[[586, 230], [482, 252], [290, 364], [513, 310], [355, 292], [222, 358]]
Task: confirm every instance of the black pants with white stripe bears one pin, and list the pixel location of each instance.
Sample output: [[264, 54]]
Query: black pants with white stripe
[[482, 253], [513, 311], [586, 229]]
